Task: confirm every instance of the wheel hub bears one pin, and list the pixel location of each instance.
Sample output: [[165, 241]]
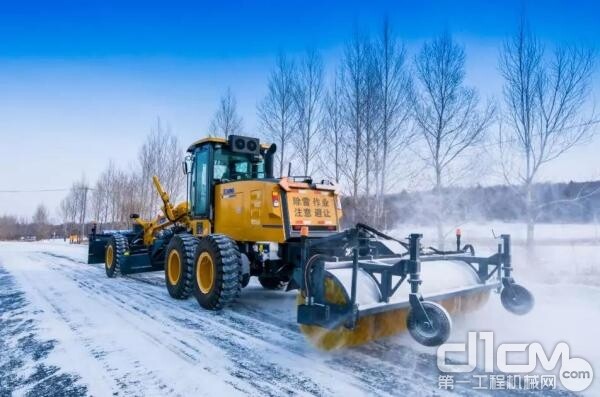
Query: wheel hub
[[109, 256], [174, 267], [205, 272]]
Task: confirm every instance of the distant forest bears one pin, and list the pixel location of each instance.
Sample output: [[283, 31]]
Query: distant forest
[[575, 202]]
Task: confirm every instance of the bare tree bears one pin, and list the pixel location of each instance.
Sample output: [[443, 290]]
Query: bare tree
[[226, 120], [395, 87], [41, 222], [10, 228], [160, 155], [446, 111], [73, 208], [354, 63], [308, 95], [277, 112], [544, 100], [371, 120], [333, 157], [80, 191]]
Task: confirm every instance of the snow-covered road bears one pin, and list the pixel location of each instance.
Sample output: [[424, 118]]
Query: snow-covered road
[[66, 327]]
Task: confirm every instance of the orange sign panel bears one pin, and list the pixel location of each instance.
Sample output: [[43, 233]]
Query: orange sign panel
[[312, 207]]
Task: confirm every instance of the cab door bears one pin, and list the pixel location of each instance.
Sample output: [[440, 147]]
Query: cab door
[[199, 188]]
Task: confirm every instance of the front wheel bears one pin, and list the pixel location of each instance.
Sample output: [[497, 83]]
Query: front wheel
[[517, 299], [433, 332], [217, 272]]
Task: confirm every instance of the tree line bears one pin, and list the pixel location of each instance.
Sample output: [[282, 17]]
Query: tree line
[[572, 202], [381, 120], [118, 193]]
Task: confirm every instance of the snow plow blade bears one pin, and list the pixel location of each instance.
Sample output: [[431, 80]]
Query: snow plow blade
[[97, 247], [354, 300], [129, 262]]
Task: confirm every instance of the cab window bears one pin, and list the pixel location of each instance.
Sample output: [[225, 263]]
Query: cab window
[[229, 166]]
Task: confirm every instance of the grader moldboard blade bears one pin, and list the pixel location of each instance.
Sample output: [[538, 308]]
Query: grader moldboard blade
[[374, 293]]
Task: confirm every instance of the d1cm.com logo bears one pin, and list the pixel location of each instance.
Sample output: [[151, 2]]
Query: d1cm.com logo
[[576, 374]]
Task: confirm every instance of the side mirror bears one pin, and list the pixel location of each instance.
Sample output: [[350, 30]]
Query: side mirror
[[185, 167], [134, 216]]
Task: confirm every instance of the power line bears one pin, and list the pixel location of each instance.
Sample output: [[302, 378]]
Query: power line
[[48, 190], [34, 190]]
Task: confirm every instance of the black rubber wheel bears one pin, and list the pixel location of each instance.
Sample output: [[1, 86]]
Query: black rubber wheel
[[217, 272], [179, 265], [245, 280], [517, 299], [433, 334], [272, 283], [114, 255]]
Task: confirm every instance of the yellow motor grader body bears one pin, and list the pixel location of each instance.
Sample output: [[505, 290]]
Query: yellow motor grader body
[[355, 285]]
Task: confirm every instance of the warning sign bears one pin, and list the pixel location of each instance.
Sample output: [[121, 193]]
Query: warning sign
[[312, 207]]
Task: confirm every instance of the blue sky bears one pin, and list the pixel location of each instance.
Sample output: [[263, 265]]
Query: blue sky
[[82, 82]]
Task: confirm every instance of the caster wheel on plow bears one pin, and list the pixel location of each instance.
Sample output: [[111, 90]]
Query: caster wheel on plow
[[245, 280], [516, 299], [272, 283], [432, 333]]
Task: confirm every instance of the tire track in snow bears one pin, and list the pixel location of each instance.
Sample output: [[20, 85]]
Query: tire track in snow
[[374, 377], [127, 383], [380, 368], [24, 369], [265, 376]]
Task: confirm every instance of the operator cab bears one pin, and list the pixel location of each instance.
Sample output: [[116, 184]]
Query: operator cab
[[213, 161]]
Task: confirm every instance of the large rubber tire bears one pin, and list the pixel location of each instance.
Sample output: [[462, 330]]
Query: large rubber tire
[[272, 283], [217, 272], [434, 334], [517, 299], [115, 255], [179, 265]]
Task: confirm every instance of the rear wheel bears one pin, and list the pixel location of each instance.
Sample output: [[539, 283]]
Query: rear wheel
[[272, 283], [179, 265], [217, 272], [115, 255]]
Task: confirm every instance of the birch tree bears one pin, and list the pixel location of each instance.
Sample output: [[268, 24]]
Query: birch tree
[[354, 66], [226, 120], [160, 155], [544, 98], [334, 158], [447, 112], [276, 112], [41, 222], [308, 96], [395, 87], [371, 116]]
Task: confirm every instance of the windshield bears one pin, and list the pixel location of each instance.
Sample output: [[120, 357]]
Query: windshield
[[231, 166]]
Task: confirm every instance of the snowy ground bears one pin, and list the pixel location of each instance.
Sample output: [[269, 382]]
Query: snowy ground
[[66, 329]]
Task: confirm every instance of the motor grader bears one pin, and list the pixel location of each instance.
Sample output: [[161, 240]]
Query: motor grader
[[354, 285]]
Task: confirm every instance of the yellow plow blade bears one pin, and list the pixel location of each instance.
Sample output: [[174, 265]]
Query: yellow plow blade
[[379, 325]]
